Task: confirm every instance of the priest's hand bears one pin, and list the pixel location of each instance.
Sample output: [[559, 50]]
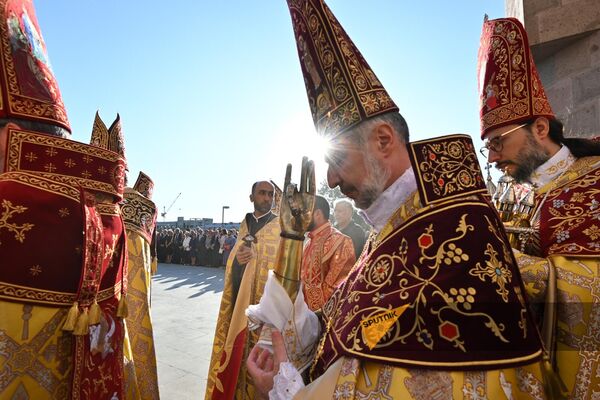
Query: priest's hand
[[296, 210], [244, 254], [264, 365]]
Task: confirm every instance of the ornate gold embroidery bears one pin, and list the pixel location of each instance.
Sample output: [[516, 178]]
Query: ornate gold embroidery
[[7, 213], [342, 89], [51, 151], [495, 271], [26, 294], [109, 249], [139, 214], [69, 162], [39, 182], [108, 209], [446, 167], [593, 232], [377, 274]]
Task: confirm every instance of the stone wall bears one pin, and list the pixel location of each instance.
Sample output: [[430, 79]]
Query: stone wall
[[564, 36]]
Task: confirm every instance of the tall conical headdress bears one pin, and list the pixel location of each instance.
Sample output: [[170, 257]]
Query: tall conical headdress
[[510, 89], [342, 89], [109, 139], [28, 88], [144, 185]]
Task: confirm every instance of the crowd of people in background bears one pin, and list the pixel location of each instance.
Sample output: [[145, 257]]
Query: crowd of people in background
[[195, 246]]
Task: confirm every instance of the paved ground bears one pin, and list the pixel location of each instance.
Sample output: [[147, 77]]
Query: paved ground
[[185, 303]]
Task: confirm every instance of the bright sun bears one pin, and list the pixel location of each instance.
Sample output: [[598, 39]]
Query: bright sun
[[298, 139]]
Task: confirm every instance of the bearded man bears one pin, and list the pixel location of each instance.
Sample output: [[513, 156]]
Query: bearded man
[[560, 261]]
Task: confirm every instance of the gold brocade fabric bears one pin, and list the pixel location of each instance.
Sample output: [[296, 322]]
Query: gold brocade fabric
[[139, 350], [577, 332], [357, 379], [327, 259], [232, 320], [36, 355]]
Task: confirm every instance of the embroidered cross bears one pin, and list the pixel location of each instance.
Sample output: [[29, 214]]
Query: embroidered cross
[[87, 159], [101, 170], [110, 249], [63, 212], [35, 270], [8, 211], [31, 156], [51, 151], [70, 163], [86, 174], [50, 167]]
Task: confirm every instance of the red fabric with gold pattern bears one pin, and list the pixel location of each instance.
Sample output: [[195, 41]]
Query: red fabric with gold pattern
[[446, 168], [27, 85], [98, 358], [510, 89], [144, 185], [42, 248], [570, 214], [342, 89], [66, 161], [464, 296]]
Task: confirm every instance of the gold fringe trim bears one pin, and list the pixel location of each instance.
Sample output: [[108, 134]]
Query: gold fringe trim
[[69, 324], [82, 325], [122, 310], [95, 311]]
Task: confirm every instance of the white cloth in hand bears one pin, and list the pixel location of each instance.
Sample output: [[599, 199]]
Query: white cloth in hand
[[299, 326], [286, 383]]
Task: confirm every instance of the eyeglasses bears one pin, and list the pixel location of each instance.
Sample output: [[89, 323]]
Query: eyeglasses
[[495, 144]]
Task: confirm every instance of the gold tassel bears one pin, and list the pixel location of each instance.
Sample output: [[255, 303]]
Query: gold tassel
[[82, 325], [122, 310], [69, 324], [94, 317], [555, 388]]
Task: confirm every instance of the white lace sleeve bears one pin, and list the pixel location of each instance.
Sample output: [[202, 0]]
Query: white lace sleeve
[[286, 383]]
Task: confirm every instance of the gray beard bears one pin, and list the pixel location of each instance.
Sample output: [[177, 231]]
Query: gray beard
[[374, 183]]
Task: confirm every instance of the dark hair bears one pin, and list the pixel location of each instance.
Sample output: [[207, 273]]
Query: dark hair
[[579, 147], [36, 126], [322, 204]]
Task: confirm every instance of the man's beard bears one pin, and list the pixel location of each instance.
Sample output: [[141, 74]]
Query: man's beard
[[374, 183], [263, 208], [529, 160]]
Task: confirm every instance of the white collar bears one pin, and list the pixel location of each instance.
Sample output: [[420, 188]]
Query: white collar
[[553, 168], [261, 217], [388, 202]]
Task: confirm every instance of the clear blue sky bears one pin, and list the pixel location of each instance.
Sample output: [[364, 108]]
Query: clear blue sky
[[211, 94]]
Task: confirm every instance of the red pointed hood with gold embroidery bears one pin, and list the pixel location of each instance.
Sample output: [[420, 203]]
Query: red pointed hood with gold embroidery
[[342, 89], [144, 185], [510, 89], [28, 87]]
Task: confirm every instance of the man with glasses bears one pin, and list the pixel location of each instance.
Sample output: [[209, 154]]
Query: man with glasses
[[562, 261]]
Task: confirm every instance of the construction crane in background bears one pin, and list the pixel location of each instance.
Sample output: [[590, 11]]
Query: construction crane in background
[[166, 210]]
